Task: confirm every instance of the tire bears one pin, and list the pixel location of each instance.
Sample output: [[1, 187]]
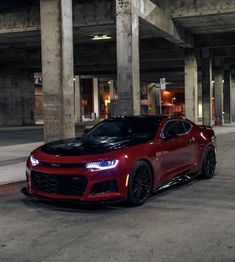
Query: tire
[[140, 185], [209, 163]]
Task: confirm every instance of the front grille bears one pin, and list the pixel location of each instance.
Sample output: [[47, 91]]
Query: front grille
[[59, 184]]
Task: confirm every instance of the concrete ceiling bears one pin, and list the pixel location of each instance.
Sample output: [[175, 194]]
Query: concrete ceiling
[[201, 16], [208, 24], [211, 23]]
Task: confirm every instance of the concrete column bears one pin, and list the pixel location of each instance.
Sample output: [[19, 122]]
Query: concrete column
[[111, 89], [199, 100], [206, 69], [96, 96], [158, 101], [191, 86], [218, 97], [77, 99], [128, 73], [227, 97], [57, 69], [233, 98]]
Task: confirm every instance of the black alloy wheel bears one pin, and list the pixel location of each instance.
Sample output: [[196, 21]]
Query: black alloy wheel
[[140, 185], [209, 163]]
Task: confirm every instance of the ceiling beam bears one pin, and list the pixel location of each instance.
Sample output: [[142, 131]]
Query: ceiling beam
[[93, 13], [224, 52], [215, 40], [163, 24], [85, 14], [23, 20], [191, 8]]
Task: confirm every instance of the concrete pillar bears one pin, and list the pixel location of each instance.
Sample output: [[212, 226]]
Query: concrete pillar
[[227, 97], [96, 97], [158, 101], [199, 101], [111, 89], [233, 98], [218, 77], [152, 99], [77, 100], [206, 70], [57, 69], [128, 73], [191, 86]]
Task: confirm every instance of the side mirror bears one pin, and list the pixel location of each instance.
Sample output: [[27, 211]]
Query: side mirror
[[169, 135]]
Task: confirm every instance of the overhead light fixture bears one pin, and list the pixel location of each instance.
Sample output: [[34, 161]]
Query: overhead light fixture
[[101, 37]]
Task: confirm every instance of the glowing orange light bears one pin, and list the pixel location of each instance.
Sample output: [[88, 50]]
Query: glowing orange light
[[166, 93]]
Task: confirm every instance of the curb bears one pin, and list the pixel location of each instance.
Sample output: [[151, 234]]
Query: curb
[[20, 128], [40, 127]]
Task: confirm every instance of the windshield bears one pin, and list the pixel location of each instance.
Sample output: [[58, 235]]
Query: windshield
[[139, 128]]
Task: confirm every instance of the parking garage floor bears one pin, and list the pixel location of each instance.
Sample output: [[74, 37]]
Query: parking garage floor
[[192, 222]]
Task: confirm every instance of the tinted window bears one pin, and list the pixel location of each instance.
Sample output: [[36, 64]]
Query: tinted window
[[187, 126], [176, 126], [108, 128], [131, 128], [144, 128]]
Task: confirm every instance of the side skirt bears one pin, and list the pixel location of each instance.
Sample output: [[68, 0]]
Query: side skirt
[[179, 179]]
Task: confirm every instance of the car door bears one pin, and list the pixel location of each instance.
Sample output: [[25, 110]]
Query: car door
[[192, 150], [174, 149]]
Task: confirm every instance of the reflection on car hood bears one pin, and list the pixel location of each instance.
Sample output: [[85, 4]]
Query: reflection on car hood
[[88, 145]]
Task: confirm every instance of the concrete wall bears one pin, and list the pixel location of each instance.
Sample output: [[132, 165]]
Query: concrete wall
[[16, 99]]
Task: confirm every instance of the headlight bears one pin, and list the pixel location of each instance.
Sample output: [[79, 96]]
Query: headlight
[[102, 164], [34, 161]]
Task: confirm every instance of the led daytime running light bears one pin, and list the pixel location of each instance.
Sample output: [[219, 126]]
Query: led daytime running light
[[102, 164], [34, 161]]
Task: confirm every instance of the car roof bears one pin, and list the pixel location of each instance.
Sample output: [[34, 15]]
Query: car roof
[[151, 117], [127, 118]]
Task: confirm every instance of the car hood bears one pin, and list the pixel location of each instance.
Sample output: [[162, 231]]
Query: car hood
[[88, 145]]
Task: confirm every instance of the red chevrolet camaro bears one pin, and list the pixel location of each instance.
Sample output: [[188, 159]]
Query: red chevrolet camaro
[[122, 158]]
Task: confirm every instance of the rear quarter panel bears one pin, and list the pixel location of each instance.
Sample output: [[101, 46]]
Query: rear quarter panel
[[205, 137]]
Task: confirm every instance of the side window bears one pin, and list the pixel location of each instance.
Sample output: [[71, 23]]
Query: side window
[[187, 126], [176, 126]]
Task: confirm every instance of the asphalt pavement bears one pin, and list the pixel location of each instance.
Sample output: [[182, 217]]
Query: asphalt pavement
[[190, 223]]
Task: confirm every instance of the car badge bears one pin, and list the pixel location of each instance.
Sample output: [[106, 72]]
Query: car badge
[[55, 165]]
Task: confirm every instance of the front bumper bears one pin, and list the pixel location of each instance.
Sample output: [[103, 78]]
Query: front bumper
[[76, 184]]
